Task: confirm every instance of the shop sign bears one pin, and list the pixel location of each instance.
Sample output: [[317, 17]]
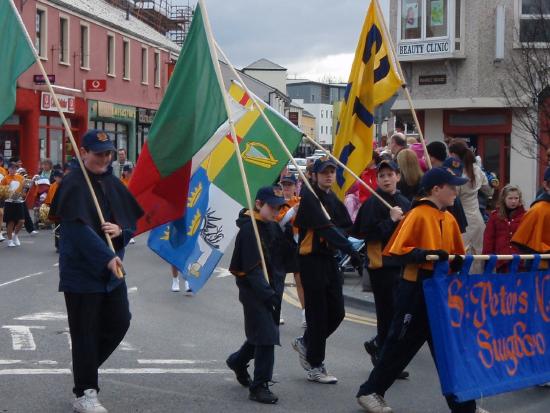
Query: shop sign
[[146, 115], [96, 85], [293, 117], [40, 80], [425, 48], [67, 103], [112, 110], [432, 80]]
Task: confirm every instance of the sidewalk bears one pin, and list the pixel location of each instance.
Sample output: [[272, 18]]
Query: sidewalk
[[353, 292]]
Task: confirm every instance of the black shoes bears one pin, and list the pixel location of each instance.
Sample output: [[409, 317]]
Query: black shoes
[[373, 350], [241, 372], [262, 394]]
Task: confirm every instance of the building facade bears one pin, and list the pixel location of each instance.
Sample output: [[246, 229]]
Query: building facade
[[109, 69], [455, 55]]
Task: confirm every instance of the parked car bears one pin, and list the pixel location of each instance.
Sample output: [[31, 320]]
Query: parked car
[[301, 164]]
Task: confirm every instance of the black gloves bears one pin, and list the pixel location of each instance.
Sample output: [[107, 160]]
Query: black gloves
[[457, 263], [356, 259], [442, 254]]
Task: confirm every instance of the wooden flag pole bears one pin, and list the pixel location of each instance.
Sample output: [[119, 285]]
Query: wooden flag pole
[[120, 272], [272, 128], [357, 178], [216, 63], [404, 83], [488, 257]]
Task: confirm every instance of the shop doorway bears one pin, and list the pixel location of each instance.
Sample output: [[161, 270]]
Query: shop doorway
[[9, 144]]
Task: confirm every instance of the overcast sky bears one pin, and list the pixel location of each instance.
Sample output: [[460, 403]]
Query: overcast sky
[[311, 38]]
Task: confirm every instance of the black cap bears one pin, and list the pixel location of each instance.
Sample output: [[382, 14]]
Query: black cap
[[323, 163], [127, 168], [387, 164], [547, 174], [97, 141], [288, 178], [57, 173], [440, 176], [267, 194], [12, 165], [454, 165], [438, 150]]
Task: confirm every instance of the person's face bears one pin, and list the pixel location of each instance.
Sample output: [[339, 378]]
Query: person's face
[[326, 178], [444, 195], [12, 171], [394, 148], [546, 186], [278, 190], [387, 180], [289, 189], [96, 162], [267, 212], [512, 200], [46, 166], [122, 156]]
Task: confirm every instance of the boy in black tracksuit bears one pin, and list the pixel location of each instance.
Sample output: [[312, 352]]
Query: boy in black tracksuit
[[261, 299], [375, 224]]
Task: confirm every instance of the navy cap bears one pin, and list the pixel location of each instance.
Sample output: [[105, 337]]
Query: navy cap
[[289, 178], [440, 176], [387, 164], [547, 174], [57, 173], [127, 168], [97, 141], [323, 163], [267, 194], [454, 165]]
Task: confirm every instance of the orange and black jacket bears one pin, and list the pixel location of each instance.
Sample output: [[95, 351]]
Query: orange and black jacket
[[424, 228], [374, 225], [319, 235]]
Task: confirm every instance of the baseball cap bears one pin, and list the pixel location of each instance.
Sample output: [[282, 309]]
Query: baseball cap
[[127, 168], [547, 174], [440, 176], [289, 178], [454, 165], [57, 173], [323, 163], [387, 164], [97, 141], [267, 194]]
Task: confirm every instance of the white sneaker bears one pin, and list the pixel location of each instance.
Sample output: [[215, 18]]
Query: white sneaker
[[188, 290], [132, 241], [11, 243], [281, 320], [16, 241], [175, 284], [33, 233], [374, 403], [88, 403], [304, 322], [299, 346], [2, 237], [320, 375]]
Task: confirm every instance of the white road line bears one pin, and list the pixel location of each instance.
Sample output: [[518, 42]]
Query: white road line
[[21, 278], [45, 316], [162, 361], [10, 362], [132, 290], [21, 337], [47, 362], [223, 272], [56, 264], [25, 372], [125, 346]]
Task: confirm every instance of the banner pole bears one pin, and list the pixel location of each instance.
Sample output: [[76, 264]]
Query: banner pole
[[119, 273], [404, 83], [221, 84]]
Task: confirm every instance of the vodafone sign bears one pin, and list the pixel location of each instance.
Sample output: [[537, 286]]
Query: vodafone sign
[[96, 85], [67, 103]]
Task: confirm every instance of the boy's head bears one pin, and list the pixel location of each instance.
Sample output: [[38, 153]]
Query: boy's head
[[268, 203], [438, 152], [127, 171], [288, 182], [388, 176], [57, 175], [440, 186], [325, 172]]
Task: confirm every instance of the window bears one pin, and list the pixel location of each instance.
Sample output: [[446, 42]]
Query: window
[[411, 19], [126, 59], [436, 18], [111, 55], [84, 46], [64, 40], [321, 113], [534, 22], [157, 69], [41, 33], [144, 66]]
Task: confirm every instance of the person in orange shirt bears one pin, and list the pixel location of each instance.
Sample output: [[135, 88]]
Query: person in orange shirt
[[14, 206], [3, 173], [126, 174]]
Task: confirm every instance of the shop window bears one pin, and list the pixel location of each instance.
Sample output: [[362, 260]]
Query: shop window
[[157, 69], [534, 21], [64, 40], [144, 66], [84, 46], [111, 55], [41, 33], [126, 59]]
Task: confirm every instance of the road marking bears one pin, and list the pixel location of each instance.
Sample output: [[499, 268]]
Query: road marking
[[222, 272], [10, 361], [25, 372], [161, 361], [45, 316], [21, 337], [132, 290], [21, 278], [56, 264], [125, 346], [47, 362]]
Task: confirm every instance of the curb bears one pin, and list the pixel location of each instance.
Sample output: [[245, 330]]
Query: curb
[[359, 303]]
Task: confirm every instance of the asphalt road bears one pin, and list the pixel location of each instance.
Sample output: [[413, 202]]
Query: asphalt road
[[172, 359]]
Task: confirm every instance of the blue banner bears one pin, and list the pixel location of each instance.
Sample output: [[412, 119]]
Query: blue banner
[[491, 332]]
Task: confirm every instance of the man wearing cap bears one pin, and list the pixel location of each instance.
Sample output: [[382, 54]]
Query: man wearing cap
[[428, 229], [96, 299], [375, 224], [320, 236], [261, 299]]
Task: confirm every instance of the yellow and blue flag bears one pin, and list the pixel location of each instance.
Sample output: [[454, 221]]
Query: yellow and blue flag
[[373, 80]]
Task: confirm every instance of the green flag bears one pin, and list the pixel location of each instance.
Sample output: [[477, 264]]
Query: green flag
[[16, 56]]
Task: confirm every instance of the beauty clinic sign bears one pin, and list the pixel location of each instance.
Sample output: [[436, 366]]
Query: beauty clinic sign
[[47, 103]]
